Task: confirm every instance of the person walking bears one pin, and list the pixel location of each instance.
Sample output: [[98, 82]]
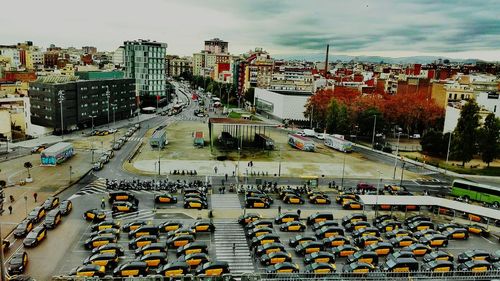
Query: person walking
[[103, 203], [35, 196], [234, 248], [298, 213], [215, 169], [10, 209], [225, 176]]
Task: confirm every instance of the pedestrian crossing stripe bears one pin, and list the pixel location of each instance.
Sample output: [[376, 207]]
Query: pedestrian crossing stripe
[[227, 235], [99, 187], [138, 139]]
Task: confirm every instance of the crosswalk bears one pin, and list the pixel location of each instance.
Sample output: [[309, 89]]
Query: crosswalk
[[99, 187], [228, 233], [226, 201], [137, 139], [139, 215]]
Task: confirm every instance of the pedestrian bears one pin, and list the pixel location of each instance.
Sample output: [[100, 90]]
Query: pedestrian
[[215, 169], [298, 213], [233, 173], [103, 203], [35, 196], [225, 176], [10, 210], [279, 210], [220, 190], [234, 248]]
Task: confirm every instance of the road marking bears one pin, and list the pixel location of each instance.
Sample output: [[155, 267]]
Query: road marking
[[489, 241]]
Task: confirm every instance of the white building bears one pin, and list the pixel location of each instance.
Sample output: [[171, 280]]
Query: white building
[[16, 111], [280, 104], [12, 53], [119, 57], [452, 115], [490, 101]]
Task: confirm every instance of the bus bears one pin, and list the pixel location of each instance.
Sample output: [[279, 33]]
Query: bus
[[476, 191]]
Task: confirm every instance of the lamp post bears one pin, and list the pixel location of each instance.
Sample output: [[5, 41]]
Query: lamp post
[[61, 100], [92, 118], [107, 96], [448, 151], [378, 188], [374, 126], [396, 158], [343, 170], [113, 105], [2, 264], [402, 170], [279, 167]]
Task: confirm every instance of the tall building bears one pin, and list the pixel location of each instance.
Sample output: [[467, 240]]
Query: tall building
[[216, 46], [82, 100], [176, 65], [119, 57], [12, 54], [145, 62]]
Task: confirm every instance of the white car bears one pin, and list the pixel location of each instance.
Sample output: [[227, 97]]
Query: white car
[[320, 136]]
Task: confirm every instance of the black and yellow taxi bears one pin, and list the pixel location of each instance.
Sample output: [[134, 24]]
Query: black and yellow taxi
[[346, 196], [400, 254], [181, 231], [179, 241], [284, 267], [357, 268], [299, 239], [191, 248], [320, 200], [420, 225], [23, 228], [113, 231], [291, 198], [352, 205], [193, 203], [105, 224], [356, 225], [156, 247], [402, 241], [100, 240], [438, 255], [388, 225], [415, 218], [154, 260], [256, 202], [109, 248], [475, 254], [392, 188], [165, 198], [195, 259], [133, 225], [142, 241], [309, 247], [329, 231], [366, 231], [478, 230], [51, 203], [253, 192], [447, 226], [144, 230], [17, 263], [335, 241], [422, 233], [256, 232], [319, 257], [53, 219], [320, 268], [381, 218], [456, 234], [275, 257], [344, 250], [201, 197], [322, 224], [286, 217], [293, 226], [354, 217], [381, 248], [363, 256], [37, 235], [269, 248], [319, 217], [418, 249], [365, 241], [203, 226], [121, 196], [131, 269], [213, 268], [168, 226], [434, 240], [248, 218], [265, 239], [438, 266], [400, 232], [88, 270], [312, 193], [124, 207], [37, 214], [474, 266], [193, 190], [283, 193], [259, 223], [174, 269], [108, 260], [400, 265], [94, 215]]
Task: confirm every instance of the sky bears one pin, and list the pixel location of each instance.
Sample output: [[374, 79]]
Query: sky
[[393, 28]]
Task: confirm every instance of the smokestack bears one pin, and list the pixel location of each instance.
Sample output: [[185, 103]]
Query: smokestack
[[326, 60]]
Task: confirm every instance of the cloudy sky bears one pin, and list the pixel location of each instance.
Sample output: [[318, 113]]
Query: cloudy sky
[[453, 28]]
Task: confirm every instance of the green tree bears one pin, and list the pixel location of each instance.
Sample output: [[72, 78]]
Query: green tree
[[28, 166], [344, 120], [489, 140], [466, 132], [332, 117], [366, 119], [434, 142], [249, 94]]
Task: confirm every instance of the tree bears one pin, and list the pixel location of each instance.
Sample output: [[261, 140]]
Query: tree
[[331, 117], [489, 139], [249, 94], [28, 166], [466, 132], [434, 143]]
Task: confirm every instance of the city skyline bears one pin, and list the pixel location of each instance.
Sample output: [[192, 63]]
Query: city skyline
[[455, 29]]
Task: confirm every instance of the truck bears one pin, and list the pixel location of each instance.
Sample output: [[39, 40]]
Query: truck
[[198, 139], [301, 142], [56, 154], [264, 142], [158, 139], [338, 143]]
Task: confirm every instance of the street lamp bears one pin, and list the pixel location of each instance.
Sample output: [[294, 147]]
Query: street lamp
[[113, 105], [378, 188], [107, 96], [402, 170], [279, 167], [92, 118], [343, 170], [374, 126], [396, 158], [448, 151], [61, 99]]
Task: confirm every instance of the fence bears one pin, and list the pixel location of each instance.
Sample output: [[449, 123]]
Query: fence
[[372, 276]]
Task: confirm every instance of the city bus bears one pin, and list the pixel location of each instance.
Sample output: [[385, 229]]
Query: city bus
[[476, 191]]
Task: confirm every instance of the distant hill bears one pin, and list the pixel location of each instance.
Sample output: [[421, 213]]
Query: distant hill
[[375, 59]]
